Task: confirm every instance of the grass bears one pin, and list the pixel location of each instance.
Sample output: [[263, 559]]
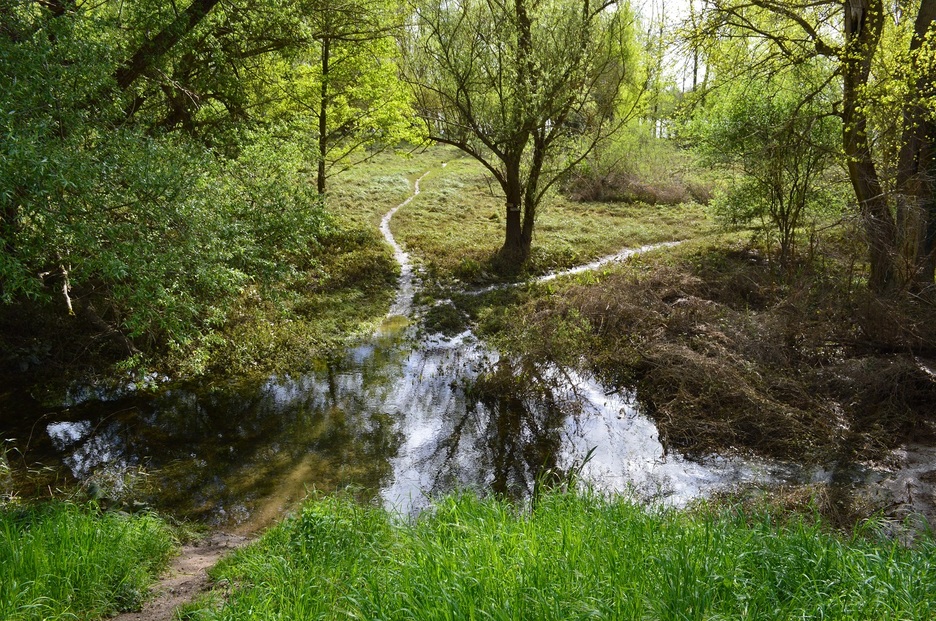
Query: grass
[[63, 561], [456, 225], [574, 556]]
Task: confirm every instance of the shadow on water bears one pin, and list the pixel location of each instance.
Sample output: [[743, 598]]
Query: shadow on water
[[399, 418]]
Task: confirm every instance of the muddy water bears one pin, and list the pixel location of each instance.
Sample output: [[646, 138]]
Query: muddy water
[[394, 417]]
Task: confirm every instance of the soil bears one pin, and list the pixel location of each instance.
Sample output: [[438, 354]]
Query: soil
[[186, 578]]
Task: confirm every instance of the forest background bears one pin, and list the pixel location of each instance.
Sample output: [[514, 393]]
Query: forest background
[[182, 188]]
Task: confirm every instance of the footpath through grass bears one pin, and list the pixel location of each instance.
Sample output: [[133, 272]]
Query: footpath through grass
[[455, 227], [63, 561], [574, 556]]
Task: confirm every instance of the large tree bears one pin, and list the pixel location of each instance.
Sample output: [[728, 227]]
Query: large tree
[[526, 87], [858, 38]]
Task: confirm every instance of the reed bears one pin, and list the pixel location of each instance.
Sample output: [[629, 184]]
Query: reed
[[64, 561], [574, 556]]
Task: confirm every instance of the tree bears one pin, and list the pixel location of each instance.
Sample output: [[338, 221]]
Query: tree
[[145, 235], [854, 36], [916, 172], [528, 88], [782, 145], [347, 80]]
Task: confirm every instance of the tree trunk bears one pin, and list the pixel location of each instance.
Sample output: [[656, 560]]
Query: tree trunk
[[926, 258], [323, 116], [863, 24], [153, 49], [916, 163], [516, 247]]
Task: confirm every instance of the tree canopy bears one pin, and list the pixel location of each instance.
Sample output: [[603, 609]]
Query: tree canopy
[[526, 88], [879, 57]]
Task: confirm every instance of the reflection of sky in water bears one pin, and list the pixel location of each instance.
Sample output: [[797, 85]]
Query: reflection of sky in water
[[86, 452], [65, 434], [397, 415], [392, 415]]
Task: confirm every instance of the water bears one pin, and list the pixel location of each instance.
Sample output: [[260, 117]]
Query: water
[[396, 417]]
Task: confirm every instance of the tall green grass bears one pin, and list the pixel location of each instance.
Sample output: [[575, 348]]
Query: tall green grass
[[575, 556], [62, 561]]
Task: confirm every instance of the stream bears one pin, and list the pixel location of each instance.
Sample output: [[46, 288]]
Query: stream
[[393, 418]]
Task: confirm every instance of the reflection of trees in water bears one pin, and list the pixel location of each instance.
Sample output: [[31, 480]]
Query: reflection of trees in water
[[210, 450], [512, 426]]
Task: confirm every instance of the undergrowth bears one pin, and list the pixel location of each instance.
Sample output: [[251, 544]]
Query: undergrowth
[[63, 561], [728, 354], [573, 556]]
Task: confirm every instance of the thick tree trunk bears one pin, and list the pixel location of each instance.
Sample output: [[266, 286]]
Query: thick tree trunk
[[916, 164], [926, 258], [863, 23]]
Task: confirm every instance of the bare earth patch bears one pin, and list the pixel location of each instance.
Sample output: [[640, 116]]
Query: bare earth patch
[[186, 578]]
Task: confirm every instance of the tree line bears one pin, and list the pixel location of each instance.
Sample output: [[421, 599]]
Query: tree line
[[157, 156]]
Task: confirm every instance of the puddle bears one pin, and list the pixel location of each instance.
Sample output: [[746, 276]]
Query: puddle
[[393, 418]]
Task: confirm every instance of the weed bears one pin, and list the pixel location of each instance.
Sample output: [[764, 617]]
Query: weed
[[59, 560]]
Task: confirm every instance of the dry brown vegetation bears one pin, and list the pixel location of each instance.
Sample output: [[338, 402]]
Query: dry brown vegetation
[[624, 187], [727, 355]]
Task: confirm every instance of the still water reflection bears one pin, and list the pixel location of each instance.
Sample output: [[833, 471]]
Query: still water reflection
[[398, 417], [395, 416]]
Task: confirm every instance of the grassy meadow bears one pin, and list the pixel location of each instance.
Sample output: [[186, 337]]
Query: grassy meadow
[[572, 556], [456, 225]]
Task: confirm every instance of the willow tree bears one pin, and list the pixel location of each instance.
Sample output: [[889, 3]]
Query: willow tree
[[526, 87]]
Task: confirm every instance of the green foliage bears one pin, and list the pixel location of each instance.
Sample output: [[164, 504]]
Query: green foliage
[[775, 132], [342, 91], [148, 237], [574, 556], [527, 89], [633, 166], [62, 561]]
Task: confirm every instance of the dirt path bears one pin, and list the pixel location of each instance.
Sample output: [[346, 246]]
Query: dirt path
[[186, 578]]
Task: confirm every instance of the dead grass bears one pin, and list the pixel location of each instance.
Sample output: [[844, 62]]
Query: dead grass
[[729, 356]]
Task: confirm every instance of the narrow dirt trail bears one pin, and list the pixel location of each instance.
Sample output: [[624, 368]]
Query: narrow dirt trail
[[186, 578]]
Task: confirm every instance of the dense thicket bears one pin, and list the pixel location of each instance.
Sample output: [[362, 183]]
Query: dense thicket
[[877, 59], [155, 159]]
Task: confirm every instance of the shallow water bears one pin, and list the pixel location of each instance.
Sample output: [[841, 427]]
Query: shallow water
[[395, 417], [392, 416]]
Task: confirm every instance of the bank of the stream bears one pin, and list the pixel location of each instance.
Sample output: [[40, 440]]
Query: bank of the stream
[[727, 356], [570, 555], [62, 560]]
